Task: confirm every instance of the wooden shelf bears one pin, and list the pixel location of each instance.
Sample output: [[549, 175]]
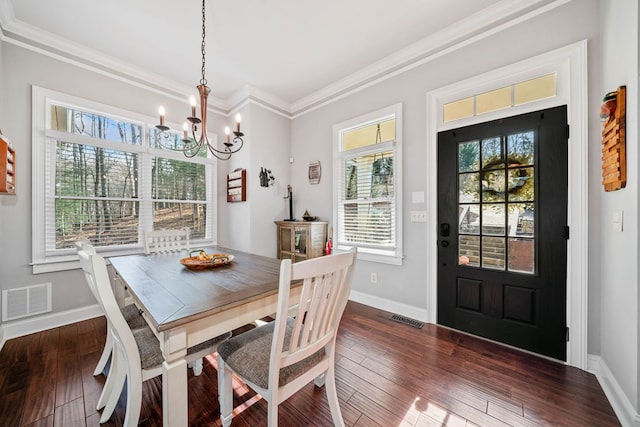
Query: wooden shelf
[[237, 186], [614, 152], [7, 168]]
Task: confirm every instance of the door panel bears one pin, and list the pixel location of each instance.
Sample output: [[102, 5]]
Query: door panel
[[502, 215]]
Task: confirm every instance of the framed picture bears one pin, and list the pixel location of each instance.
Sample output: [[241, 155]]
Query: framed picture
[[314, 172]]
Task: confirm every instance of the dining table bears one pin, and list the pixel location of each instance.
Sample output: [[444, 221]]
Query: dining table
[[185, 306]]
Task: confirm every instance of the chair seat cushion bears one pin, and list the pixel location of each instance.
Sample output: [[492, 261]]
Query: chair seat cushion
[[248, 355], [149, 346], [132, 315]]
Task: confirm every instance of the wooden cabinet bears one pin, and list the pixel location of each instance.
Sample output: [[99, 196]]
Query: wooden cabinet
[[7, 168], [300, 240]]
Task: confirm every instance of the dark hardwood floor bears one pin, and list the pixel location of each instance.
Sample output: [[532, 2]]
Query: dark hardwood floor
[[388, 374]]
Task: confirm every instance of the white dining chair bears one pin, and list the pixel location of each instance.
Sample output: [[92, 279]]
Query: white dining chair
[[136, 353], [159, 241], [130, 312], [279, 358]]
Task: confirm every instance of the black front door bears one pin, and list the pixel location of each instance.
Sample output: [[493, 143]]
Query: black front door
[[502, 230]]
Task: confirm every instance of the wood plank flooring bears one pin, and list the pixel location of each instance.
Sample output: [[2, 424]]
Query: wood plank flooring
[[388, 374]]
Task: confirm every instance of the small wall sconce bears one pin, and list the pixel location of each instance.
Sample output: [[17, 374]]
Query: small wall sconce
[[266, 177]]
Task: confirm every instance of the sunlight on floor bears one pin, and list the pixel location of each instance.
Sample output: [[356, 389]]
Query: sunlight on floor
[[424, 413]]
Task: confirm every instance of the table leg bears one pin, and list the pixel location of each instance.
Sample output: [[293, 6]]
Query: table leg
[[175, 403]]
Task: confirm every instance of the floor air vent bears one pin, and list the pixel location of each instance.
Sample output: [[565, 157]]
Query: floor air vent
[[28, 301], [407, 321]]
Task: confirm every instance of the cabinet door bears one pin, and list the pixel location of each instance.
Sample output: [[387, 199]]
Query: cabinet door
[[285, 239], [301, 240]]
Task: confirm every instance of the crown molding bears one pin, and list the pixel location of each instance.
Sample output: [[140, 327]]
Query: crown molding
[[30, 37], [503, 14], [483, 24], [251, 94]]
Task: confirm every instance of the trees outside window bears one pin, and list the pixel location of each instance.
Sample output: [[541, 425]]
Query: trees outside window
[[101, 177]]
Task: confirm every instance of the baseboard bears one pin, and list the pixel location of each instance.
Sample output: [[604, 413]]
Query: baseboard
[[40, 323], [621, 404], [390, 306]]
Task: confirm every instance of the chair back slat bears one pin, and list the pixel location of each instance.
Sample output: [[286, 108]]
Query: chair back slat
[[159, 241]]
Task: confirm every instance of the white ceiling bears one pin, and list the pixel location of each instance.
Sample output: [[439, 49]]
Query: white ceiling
[[288, 49]]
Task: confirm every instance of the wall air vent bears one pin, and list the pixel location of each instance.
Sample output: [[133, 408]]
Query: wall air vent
[[27, 301]]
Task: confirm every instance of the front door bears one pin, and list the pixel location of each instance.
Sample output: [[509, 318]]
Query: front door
[[502, 230]]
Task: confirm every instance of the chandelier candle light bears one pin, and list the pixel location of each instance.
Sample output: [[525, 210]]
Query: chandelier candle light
[[193, 145]]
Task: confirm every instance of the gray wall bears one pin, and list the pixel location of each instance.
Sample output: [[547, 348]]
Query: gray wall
[[616, 252], [311, 133], [610, 26]]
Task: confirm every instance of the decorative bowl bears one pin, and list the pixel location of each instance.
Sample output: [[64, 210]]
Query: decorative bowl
[[310, 218], [204, 260]]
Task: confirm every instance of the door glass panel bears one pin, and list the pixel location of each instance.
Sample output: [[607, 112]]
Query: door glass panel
[[469, 187], [520, 148], [496, 203], [492, 154], [493, 186], [469, 219], [521, 184], [301, 241], [493, 220], [493, 252], [469, 250], [469, 156], [521, 219], [521, 255]]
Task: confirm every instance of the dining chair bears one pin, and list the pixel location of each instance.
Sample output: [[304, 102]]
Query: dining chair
[[159, 241], [279, 358], [136, 353], [130, 312]]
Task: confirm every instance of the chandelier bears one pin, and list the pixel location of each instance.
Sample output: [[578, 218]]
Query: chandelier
[[192, 144]]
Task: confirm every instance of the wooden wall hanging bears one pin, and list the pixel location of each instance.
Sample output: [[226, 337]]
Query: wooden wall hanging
[[237, 186], [614, 155]]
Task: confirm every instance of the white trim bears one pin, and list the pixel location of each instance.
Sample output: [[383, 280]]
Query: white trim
[[40, 99], [570, 64], [42, 323], [393, 256], [489, 21], [389, 305], [492, 20], [621, 405]]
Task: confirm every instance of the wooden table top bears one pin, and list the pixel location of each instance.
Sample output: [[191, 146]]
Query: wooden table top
[[173, 295]]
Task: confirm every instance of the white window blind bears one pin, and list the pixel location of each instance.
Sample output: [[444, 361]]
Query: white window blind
[[99, 175]]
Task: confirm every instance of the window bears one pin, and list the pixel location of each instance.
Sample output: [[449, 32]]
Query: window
[[99, 175], [368, 185]]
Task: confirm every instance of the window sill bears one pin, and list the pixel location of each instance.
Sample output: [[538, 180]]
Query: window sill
[[367, 254]]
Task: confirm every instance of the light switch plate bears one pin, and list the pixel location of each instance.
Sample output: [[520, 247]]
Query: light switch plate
[[418, 216]]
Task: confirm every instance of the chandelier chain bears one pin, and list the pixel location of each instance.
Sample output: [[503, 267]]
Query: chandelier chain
[[195, 144], [203, 80]]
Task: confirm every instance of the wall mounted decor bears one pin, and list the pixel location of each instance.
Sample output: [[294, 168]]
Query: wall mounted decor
[[266, 177], [7, 167], [614, 156], [314, 172], [237, 186]]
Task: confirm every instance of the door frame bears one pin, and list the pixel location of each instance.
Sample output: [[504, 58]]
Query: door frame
[[570, 66]]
